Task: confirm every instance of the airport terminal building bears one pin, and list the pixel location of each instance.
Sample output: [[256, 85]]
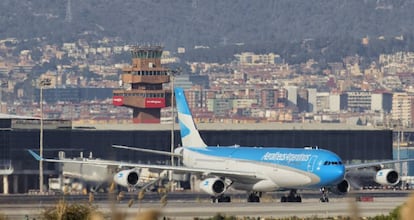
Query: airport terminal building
[[17, 135]]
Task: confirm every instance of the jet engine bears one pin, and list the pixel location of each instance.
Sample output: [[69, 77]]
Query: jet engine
[[213, 186], [127, 178], [341, 188], [387, 177]]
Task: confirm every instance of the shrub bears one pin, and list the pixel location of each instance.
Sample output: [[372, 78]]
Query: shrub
[[3, 217], [65, 211]]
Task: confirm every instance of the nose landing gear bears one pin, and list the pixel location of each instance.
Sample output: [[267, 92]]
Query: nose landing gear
[[324, 197]]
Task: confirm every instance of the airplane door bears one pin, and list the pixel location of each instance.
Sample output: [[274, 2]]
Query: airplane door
[[311, 163]]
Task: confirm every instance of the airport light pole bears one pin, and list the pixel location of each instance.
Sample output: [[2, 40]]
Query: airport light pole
[[43, 82], [172, 75], [172, 130], [172, 118], [399, 137], [400, 128]]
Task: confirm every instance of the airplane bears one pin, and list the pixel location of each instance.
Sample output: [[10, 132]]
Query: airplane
[[256, 170], [95, 177]]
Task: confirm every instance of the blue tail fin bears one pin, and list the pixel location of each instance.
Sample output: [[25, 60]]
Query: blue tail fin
[[189, 133]]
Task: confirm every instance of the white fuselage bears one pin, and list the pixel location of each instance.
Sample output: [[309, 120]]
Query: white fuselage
[[267, 176]]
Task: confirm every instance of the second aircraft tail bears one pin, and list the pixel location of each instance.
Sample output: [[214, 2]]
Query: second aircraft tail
[[190, 137]]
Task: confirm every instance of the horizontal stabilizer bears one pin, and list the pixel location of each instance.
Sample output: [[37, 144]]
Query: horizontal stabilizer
[[147, 150], [35, 155]]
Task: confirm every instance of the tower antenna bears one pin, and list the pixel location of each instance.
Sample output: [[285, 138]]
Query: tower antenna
[[68, 17]]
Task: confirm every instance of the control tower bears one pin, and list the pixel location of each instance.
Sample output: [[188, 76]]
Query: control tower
[[142, 83]]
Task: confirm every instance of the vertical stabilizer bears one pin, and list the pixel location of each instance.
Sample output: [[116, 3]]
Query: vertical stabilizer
[[189, 133]]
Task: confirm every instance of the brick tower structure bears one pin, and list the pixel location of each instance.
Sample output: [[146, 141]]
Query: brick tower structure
[[144, 79]]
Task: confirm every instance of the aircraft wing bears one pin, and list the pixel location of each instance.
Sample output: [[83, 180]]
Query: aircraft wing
[[147, 150], [375, 164], [179, 169]]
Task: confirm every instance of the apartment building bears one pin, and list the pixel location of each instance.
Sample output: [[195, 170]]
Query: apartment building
[[403, 109], [381, 101], [272, 98], [249, 58], [359, 101]]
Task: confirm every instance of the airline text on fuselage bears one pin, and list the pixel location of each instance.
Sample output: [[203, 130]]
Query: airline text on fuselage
[[286, 157]]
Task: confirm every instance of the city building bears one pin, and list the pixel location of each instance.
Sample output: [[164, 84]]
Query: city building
[[303, 100], [312, 100], [359, 101], [292, 96], [322, 102], [403, 109], [273, 98], [381, 101], [249, 58]]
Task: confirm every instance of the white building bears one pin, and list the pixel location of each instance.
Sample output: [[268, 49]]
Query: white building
[[359, 101], [292, 95], [402, 109], [381, 102], [335, 102], [322, 101], [312, 93]]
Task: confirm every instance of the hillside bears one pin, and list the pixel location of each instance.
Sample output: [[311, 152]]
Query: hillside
[[187, 23], [326, 30]]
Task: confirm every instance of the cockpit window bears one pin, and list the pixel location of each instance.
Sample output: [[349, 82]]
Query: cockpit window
[[326, 163]]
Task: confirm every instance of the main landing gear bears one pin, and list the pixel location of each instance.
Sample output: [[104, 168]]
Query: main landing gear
[[220, 199], [324, 197], [291, 197], [254, 197]]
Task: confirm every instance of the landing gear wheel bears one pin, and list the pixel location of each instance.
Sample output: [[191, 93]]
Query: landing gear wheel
[[253, 197], [292, 197], [220, 199], [225, 199], [324, 199]]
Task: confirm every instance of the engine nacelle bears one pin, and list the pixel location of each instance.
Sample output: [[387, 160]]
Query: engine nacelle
[[341, 188], [127, 178], [387, 177], [213, 186]]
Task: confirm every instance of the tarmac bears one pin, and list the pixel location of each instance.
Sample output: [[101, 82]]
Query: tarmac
[[190, 208]]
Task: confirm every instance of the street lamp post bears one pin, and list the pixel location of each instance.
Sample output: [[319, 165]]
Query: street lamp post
[[43, 82]]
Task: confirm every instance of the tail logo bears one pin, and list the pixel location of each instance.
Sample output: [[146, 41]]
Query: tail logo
[[184, 129]]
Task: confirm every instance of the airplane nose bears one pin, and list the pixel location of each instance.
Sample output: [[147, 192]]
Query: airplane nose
[[339, 172], [332, 175]]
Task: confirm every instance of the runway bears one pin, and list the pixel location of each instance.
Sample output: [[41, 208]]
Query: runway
[[189, 209], [308, 208]]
